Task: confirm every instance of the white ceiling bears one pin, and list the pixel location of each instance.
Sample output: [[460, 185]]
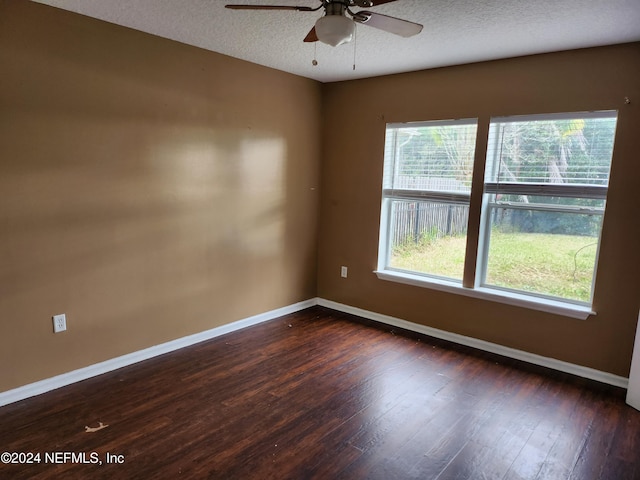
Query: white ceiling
[[455, 31]]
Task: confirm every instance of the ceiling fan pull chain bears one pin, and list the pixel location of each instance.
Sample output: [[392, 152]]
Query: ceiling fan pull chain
[[315, 54], [355, 45]]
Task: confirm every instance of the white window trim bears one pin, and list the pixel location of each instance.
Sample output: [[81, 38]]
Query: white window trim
[[563, 308]]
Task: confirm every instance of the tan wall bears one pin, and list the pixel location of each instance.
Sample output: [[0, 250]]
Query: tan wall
[[354, 120], [149, 190]]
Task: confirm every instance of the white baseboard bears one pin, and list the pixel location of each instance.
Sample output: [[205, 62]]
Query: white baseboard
[[74, 376], [552, 363]]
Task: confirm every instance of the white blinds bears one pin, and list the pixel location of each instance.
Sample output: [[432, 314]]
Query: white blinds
[[559, 155], [430, 157]]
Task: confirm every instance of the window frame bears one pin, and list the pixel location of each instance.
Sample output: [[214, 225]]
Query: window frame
[[478, 288], [389, 195]]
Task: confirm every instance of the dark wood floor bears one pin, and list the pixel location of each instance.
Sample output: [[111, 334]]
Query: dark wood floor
[[320, 394]]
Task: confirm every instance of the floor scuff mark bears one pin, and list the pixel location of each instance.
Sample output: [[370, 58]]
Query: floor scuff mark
[[95, 429]]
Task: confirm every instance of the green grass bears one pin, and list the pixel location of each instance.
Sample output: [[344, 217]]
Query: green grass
[[556, 265], [443, 257]]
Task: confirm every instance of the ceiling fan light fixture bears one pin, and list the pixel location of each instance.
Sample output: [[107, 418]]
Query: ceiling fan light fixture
[[335, 30]]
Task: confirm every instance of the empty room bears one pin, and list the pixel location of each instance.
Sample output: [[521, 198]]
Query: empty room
[[319, 239]]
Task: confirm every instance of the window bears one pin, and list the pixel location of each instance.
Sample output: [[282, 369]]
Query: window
[[544, 196], [427, 187]]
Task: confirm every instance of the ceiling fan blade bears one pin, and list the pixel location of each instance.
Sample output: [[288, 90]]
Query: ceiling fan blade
[[311, 36], [404, 28], [270, 7], [371, 3]]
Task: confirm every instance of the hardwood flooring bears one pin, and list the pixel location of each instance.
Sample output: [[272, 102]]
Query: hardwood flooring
[[321, 394]]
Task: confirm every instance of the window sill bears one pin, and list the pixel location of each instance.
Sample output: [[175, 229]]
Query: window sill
[[534, 303]]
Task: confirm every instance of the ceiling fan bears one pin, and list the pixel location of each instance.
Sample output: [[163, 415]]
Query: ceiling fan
[[338, 23]]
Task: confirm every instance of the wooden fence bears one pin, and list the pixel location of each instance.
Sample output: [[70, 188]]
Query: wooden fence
[[413, 220]]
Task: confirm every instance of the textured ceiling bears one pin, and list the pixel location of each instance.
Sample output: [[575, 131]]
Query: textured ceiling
[[455, 31]]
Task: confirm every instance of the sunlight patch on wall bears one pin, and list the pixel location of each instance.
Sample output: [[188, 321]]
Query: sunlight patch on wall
[[233, 182], [262, 191]]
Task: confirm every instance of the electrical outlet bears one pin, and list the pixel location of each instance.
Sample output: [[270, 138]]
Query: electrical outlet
[[59, 323], [343, 271]]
